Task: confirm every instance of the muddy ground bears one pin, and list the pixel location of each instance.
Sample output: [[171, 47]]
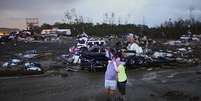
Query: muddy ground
[[143, 85], [181, 83]]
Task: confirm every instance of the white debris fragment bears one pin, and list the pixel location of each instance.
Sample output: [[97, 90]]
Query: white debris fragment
[[157, 54], [195, 39], [182, 49], [5, 64], [162, 54], [30, 55], [172, 43], [150, 69]]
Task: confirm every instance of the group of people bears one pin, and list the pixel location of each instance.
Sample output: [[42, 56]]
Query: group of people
[[115, 75]]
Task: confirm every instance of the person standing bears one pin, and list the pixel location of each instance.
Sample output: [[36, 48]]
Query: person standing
[[121, 78], [133, 46], [111, 75]]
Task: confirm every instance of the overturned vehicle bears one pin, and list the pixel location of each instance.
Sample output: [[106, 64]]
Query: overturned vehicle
[[90, 59], [93, 59]]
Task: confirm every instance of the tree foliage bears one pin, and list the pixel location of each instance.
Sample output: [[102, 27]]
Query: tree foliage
[[168, 30]]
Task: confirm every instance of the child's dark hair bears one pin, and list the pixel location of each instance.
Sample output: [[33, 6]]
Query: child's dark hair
[[118, 55]]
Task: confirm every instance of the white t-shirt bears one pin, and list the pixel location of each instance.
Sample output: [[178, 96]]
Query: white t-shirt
[[134, 47]]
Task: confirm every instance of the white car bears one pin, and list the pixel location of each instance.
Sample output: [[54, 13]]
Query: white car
[[32, 66], [12, 62], [34, 69]]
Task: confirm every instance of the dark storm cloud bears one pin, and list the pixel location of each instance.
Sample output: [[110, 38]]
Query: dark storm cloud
[[14, 12], [17, 4], [24, 5]]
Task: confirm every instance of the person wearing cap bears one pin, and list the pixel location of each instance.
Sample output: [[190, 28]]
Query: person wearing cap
[[133, 46]]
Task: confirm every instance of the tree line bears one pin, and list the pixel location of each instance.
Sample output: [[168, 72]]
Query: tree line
[[113, 25], [168, 30]]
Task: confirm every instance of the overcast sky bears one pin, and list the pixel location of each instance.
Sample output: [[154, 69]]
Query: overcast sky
[[14, 12]]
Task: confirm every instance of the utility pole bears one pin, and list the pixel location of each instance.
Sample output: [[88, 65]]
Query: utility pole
[[143, 24], [191, 8]]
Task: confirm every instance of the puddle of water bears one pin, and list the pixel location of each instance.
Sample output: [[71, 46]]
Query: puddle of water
[[150, 76], [172, 75]]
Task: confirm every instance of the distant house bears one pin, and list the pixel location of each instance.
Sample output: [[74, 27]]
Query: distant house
[[6, 31], [2, 34], [64, 31], [56, 31], [46, 31]]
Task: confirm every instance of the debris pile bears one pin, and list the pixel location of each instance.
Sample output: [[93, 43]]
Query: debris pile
[[90, 52], [17, 64]]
